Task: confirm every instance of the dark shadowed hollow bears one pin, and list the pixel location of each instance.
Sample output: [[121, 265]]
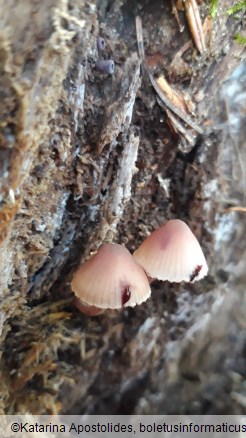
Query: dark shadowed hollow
[[87, 157]]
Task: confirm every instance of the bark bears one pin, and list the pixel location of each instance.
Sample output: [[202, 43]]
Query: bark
[[88, 158]]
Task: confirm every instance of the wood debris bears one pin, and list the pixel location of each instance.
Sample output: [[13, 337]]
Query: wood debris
[[168, 98], [187, 136], [165, 101], [195, 24], [175, 97], [119, 112], [139, 32], [175, 8], [26, 374], [118, 193], [239, 209]]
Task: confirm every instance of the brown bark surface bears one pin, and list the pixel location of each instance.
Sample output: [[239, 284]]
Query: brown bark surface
[[87, 158]]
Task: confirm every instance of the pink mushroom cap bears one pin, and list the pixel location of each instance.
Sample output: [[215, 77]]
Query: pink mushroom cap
[[172, 253], [111, 279]]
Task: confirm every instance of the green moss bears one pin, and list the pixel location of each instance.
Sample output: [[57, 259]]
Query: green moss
[[237, 7], [240, 38], [213, 7], [233, 10]]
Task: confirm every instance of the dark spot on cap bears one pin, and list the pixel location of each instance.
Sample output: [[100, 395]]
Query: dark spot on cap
[[195, 272], [126, 295]]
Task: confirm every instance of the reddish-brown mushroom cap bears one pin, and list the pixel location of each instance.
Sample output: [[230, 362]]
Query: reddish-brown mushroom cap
[[111, 279], [172, 253]]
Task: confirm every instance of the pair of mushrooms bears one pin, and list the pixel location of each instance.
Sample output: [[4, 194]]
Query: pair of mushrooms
[[113, 278], [103, 65]]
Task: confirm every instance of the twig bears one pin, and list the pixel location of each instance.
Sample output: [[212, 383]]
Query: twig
[[139, 32], [195, 24], [238, 208]]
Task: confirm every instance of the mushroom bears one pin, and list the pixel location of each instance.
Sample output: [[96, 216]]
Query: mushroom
[[105, 66], [100, 43], [110, 279], [172, 253]]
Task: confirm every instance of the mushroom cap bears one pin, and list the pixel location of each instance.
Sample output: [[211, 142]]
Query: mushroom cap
[[111, 279], [172, 253], [88, 310]]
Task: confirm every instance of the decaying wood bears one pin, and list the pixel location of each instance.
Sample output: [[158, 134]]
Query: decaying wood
[[88, 158]]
